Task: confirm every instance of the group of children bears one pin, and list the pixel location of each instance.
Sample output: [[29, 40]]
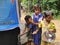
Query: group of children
[[40, 28]]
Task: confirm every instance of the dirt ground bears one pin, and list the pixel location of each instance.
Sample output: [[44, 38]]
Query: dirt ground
[[57, 24]]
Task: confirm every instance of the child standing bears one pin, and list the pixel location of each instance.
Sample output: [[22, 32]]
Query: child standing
[[37, 17], [28, 29], [48, 28]]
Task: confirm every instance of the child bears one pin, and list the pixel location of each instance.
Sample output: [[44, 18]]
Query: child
[[28, 28], [37, 17], [48, 28]]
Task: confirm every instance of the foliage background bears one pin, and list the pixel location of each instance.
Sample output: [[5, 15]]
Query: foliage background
[[53, 5]]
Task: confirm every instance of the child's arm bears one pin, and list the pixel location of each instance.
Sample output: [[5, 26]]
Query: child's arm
[[35, 32], [54, 31], [39, 26], [23, 32], [34, 23]]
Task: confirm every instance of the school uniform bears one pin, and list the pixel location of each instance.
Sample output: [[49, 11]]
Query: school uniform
[[9, 25], [37, 37]]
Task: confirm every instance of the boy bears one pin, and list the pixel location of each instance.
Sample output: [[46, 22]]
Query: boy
[[48, 28]]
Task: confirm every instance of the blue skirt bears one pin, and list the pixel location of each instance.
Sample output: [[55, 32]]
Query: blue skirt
[[37, 38]]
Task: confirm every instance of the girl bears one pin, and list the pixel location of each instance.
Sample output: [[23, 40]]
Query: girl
[[48, 28], [37, 17], [28, 28]]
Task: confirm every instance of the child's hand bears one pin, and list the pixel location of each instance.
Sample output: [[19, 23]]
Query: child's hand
[[22, 34], [54, 31], [35, 32]]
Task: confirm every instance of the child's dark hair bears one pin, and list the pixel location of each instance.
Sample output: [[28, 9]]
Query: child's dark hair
[[27, 18], [36, 6], [47, 13]]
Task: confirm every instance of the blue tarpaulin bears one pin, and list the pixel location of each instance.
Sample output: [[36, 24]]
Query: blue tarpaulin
[[8, 15]]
